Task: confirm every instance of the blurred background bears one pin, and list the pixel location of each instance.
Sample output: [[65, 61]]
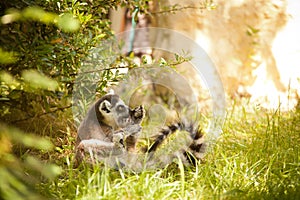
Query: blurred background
[[254, 44]]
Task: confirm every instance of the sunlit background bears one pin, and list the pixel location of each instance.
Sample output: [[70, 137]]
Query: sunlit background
[[254, 44]]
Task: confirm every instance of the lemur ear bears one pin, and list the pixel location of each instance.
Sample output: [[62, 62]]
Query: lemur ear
[[138, 114], [105, 106]]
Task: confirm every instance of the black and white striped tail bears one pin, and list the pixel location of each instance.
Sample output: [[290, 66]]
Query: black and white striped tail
[[196, 149]]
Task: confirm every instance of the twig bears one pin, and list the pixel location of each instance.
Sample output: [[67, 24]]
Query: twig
[[98, 70], [178, 9], [42, 114]]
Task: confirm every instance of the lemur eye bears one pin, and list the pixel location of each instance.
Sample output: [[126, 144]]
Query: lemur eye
[[121, 108]]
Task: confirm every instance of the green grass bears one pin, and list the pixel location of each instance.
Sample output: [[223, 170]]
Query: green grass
[[257, 157]]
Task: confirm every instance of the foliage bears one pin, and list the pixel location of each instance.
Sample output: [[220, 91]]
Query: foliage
[[172, 9], [19, 175], [39, 35], [42, 45]]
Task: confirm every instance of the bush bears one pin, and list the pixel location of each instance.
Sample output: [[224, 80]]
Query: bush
[[42, 45]]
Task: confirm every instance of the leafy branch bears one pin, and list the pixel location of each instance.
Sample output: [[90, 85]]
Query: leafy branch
[[208, 5], [42, 114]]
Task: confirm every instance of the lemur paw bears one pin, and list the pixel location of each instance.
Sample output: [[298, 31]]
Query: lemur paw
[[118, 139], [132, 130]]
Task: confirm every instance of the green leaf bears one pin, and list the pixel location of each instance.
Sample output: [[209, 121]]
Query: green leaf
[[38, 80], [27, 140], [38, 14], [8, 79], [50, 171], [68, 23], [251, 31], [7, 57], [11, 16]]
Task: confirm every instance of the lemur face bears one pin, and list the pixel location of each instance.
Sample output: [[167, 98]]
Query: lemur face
[[115, 112], [121, 114]]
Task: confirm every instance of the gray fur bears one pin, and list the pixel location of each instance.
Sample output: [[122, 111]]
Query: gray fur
[[109, 126]]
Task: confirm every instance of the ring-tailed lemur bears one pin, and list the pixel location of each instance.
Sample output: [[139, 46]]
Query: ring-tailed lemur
[[109, 128], [110, 122]]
